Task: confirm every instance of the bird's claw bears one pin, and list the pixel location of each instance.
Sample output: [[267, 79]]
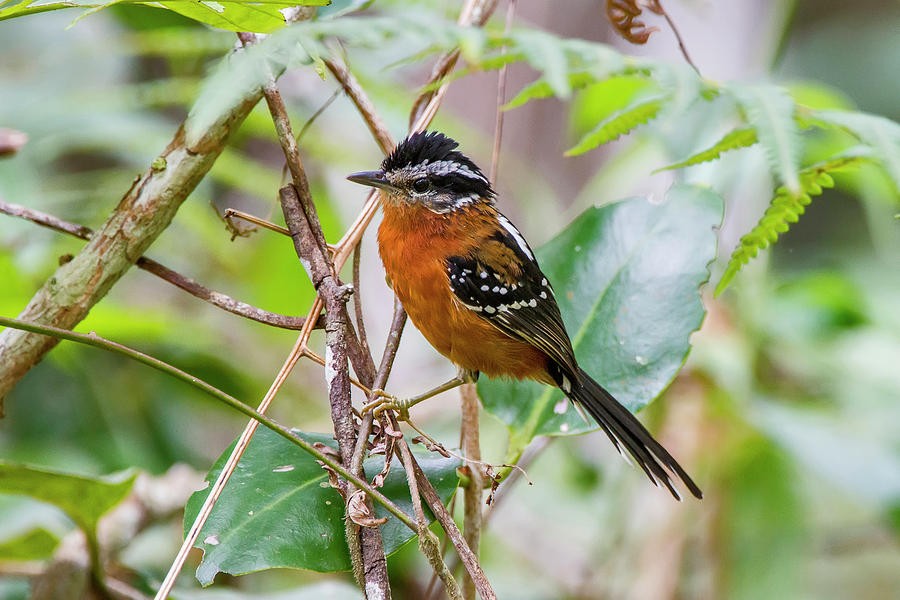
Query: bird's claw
[[383, 402]]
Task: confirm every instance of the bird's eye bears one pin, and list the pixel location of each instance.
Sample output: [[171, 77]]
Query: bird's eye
[[421, 185]]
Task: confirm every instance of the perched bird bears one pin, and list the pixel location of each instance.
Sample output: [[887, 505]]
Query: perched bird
[[470, 283]]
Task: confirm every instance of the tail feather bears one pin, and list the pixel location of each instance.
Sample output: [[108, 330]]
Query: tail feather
[[624, 430]]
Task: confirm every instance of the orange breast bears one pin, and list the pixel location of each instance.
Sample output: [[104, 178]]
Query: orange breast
[[414, 244]]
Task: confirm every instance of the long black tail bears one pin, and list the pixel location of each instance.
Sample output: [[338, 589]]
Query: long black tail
[[625, 430]]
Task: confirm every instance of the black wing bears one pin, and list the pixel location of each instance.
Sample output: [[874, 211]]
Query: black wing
[[502, 282]]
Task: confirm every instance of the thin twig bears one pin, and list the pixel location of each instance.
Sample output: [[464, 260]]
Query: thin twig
[[468, 558], [217, 299], [681, 45], [231, 213], [312, 119], [359, 98], [92, 339], [357, 302], [428, 542], [501, 95]]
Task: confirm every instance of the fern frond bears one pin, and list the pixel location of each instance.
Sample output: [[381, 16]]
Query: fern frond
[[619, 123], [770, 111], [733, 140], [881, 134], [541, 89], [786, 208]]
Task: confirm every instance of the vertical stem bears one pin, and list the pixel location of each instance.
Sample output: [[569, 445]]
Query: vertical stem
[[473, 491]]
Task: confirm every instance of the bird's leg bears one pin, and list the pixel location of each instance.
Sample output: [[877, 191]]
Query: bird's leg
[[384, 401]]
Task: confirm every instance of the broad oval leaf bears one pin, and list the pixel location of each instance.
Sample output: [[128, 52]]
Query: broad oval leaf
[[83, 498], [278, 509], [627, 278]]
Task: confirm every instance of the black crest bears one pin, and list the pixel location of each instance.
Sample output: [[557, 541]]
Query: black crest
[[434, 147]]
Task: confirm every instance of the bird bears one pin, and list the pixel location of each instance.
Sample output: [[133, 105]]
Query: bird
[[472, 286]]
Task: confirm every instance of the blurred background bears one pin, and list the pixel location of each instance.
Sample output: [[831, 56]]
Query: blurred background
[[787, 412]]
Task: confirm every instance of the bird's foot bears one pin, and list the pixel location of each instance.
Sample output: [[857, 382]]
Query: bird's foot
[[384, 401]]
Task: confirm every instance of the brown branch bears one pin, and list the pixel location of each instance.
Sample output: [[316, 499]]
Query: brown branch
[[217, 299], [428, 542], [474, 488], [366, 547], [468, 558], [141, 216], [365, 107]]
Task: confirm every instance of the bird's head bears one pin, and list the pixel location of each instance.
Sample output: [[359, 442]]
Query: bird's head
[[426, 169]]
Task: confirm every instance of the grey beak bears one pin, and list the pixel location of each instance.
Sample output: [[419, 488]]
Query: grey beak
[[372, 179]]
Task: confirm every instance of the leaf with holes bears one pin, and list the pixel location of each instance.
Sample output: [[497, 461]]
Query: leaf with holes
[[279, 510], [627, 278]]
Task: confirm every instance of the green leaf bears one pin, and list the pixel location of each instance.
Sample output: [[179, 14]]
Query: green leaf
[[618, 124], [733, 140], [770, 111], [261, 16], [279, 510], [541, 88], [882, 134], [786, 208], [37, 544], [627, 278], [545, 53], [84, 499]]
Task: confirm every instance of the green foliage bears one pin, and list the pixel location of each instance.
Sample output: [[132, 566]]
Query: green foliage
[[261, 16], [770, 110], [286, 514], [618, 124], [626, 277], [37, 544], [785, 209], [84, 499], [733, 140]]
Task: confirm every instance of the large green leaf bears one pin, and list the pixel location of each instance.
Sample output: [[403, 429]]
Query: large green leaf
[[261, 16], [84, 499], [627, 278], [279, 510]]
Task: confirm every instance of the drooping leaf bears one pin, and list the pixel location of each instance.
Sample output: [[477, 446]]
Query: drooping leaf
[[37, 544], [733, 140], [83, 498], [770, 111], [618, 124], [882, 134], [627, 278], [279, 510], [786, 208]]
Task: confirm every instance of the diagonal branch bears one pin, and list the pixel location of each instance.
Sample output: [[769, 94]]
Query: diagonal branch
[[141, 216], [218, 299]]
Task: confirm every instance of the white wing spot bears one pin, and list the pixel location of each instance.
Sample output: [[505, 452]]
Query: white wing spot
[[544, 295], [484, 274], [485, 288], [532, 303], [502, 291], [544, 281], [489, 310]]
